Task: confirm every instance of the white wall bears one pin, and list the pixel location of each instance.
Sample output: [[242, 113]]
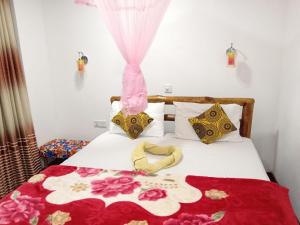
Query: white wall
[[34, 49], [188, 52], [288, 154]]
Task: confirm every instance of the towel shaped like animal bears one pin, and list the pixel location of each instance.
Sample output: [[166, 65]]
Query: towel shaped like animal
[[139, 158]]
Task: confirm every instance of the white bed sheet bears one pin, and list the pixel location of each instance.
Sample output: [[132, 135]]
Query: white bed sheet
[[222, 159]]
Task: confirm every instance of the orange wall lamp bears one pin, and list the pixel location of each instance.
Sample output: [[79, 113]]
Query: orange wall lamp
[[81, 61]]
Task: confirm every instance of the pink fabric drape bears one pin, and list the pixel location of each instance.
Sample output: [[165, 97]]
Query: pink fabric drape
[[133, 24]]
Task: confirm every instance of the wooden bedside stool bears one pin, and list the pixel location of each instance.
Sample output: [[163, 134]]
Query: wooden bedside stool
[[58, 150]]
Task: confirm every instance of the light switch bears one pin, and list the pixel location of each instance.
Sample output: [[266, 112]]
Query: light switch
[[168, 89], [100, 124]]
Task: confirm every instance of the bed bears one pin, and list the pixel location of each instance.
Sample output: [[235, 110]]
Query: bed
[[225, 159], [222, 183]]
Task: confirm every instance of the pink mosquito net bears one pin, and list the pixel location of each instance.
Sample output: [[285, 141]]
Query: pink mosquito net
[[133, 24]]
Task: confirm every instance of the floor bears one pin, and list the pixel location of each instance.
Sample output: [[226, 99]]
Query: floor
[[272, 177]]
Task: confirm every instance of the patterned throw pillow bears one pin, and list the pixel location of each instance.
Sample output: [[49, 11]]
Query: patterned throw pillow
[[212, 124], [133, 125]]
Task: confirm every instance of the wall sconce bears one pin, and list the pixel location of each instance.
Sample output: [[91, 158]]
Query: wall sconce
[[231, 56], [81, 61]]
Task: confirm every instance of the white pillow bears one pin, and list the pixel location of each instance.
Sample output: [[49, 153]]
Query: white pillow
[[185, 110], [154, 110]]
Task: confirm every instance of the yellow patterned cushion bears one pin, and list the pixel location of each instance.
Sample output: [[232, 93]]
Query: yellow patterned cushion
[[133, 125], [212, 124]]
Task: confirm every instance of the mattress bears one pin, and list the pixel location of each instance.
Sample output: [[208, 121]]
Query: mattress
[[221, 159]]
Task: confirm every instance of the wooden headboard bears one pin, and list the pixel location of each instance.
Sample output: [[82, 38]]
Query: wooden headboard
[[247, 103]]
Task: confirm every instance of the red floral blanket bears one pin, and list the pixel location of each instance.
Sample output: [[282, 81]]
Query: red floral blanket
[[69, 195]]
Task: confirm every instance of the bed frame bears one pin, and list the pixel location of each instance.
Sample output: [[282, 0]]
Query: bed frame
[[247, 103]]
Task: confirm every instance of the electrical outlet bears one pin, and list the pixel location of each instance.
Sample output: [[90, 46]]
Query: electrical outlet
[[100, 124], [168, 89]]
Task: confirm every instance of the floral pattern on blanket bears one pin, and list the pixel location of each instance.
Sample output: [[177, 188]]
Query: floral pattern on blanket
[[159, 195], [199, 219], [63, 195], [20, 208]]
